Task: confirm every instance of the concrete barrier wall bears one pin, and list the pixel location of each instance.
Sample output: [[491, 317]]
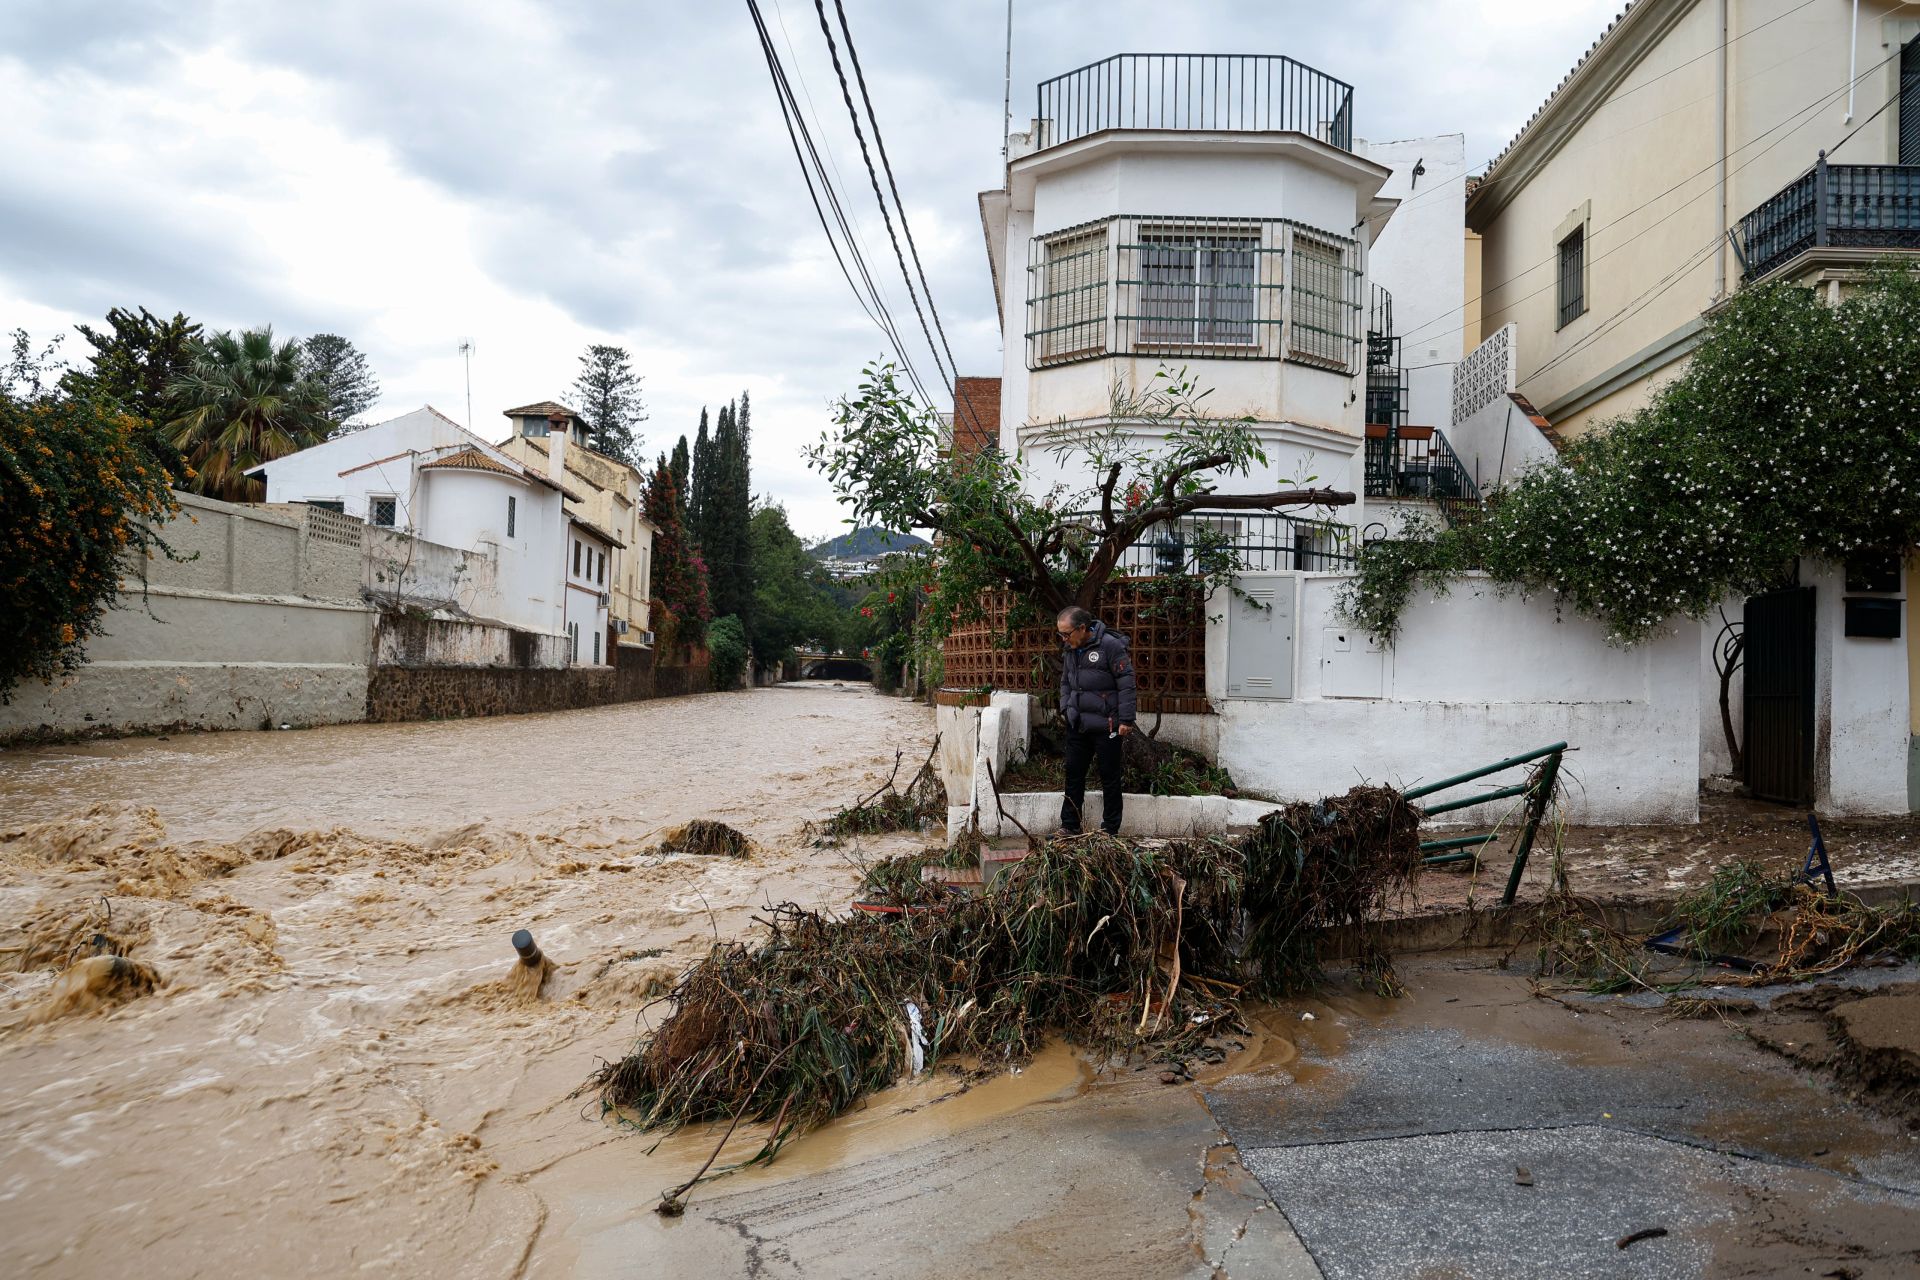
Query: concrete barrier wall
[[442, 640], [1475, 676], [259, 621]]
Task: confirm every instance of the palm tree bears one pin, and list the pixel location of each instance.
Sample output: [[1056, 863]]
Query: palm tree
[[244, 401]]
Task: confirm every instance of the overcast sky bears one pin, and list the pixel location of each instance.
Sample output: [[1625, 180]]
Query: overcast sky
[[538, 176]]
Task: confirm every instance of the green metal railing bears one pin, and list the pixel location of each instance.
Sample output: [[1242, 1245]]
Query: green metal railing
[[1538, 791]]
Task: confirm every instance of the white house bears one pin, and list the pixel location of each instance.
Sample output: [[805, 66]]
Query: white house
[[1216, 213], [424, 474], [1207, 212]]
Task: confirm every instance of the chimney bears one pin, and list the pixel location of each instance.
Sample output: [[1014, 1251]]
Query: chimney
[[557, 424]]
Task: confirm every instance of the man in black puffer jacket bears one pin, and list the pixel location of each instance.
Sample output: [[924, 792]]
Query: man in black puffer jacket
[[1097, 699]]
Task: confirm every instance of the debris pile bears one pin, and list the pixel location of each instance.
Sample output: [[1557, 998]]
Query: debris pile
[[1773, 926], [708, 839], [1131, 948], [890, 808]]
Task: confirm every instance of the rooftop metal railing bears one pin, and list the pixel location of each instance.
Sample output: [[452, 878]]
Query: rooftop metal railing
[[1206, 92]]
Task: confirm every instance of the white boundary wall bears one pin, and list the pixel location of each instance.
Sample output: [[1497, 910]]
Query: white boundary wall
[[1475, 677]]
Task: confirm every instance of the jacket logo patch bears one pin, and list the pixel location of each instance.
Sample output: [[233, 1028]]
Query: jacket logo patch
[[1093, 657]]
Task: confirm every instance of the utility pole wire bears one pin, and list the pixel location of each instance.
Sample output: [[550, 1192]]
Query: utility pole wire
[[873, 176], [790, 116], [881, 146]]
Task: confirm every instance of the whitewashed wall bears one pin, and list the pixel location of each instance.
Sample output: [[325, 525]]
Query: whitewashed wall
[[1860, 726], [1474, 677], [1420, 258]]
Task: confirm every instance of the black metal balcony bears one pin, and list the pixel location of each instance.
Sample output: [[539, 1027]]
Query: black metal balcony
[[1205, 92], [1417, 462], [1846, 206]]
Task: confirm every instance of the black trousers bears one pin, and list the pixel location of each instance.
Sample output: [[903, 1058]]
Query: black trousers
[[1082, 750]]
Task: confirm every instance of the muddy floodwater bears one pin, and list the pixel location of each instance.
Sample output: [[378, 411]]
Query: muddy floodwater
[[336, 1074]]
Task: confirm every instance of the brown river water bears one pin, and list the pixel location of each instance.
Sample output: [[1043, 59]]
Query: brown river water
[[336, 1075]]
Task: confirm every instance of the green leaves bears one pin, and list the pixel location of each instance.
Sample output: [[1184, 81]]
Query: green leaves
[[1795, 430]]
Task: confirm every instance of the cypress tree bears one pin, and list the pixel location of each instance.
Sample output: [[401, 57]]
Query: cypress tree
[[681, 465], [699, 480]]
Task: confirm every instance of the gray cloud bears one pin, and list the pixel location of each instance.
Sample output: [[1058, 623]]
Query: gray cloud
[[624, 166]]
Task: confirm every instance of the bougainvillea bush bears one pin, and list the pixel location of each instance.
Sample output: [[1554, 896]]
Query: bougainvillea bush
[[82, 492], [1794, 430]]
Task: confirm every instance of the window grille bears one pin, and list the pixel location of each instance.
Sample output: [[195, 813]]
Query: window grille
[[1197, 288], [380, 511], [1073, 297], [1191, 286], [510, 514], [1323, 309], [1573, 284], [1910, 102]]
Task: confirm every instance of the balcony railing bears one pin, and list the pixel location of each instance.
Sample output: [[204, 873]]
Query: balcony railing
[[1246, 541], [1417, 462], [1852, 206], [1202, 92]]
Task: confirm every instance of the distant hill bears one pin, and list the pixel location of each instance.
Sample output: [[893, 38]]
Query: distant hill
[[865, 543]]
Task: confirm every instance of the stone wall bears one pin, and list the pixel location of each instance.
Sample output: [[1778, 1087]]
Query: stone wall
[[440, 693]]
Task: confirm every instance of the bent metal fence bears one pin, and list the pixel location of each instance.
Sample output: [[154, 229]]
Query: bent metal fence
[[1165, 620]]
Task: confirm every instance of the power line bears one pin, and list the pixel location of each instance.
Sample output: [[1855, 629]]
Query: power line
[[797, 132], [880, 145], [885, 216]]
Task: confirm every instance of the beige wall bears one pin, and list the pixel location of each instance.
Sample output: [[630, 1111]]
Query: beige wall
[[1471, 331], [1645, 159]]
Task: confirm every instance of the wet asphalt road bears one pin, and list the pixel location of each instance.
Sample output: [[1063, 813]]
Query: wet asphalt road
[[1401, 1155]]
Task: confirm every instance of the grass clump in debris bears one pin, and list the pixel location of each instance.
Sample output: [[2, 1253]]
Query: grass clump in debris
[[1130, 948], [1340, 859], [898, 881], [1725, 913], [710, 839], [890, 808], [1772, 925]]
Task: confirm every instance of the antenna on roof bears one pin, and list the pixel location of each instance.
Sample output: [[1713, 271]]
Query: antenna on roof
[[466, 355]]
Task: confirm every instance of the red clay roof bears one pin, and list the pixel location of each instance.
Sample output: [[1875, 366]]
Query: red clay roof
[[471, 460], [544, 408]]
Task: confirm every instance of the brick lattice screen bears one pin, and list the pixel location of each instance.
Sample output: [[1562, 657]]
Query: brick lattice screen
[[1167, 629]]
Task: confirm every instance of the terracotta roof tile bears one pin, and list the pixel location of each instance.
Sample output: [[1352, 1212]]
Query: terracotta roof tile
[[543, 409], [471, 460]]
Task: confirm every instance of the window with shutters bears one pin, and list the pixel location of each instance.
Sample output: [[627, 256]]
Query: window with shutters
[[1322, 306], [576, 557], [1073, 295], [1197, 287]]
